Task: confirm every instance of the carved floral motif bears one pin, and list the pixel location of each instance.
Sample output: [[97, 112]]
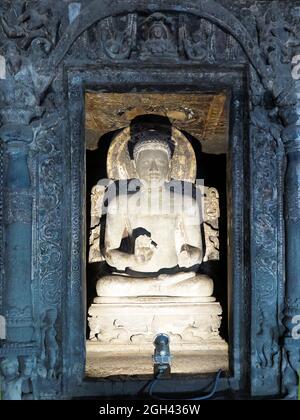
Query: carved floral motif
[[49, 213]]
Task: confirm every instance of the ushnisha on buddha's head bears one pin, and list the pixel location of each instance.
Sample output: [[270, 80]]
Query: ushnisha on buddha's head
[[152, 153]]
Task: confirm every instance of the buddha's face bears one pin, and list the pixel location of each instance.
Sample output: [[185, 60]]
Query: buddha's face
[[153, 166], [157, 32]]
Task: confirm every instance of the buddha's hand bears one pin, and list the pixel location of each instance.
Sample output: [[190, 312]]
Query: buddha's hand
[[144, 249], [184, 259], [189, 256]]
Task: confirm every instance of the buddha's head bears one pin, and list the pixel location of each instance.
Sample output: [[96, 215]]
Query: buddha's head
[[152, 150], [152, 160]]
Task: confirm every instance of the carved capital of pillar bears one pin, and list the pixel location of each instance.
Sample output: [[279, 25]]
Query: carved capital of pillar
[[17, 138], [11, 133]]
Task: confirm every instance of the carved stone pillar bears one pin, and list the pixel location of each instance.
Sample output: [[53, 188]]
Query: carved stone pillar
[[292, 221], [18, 233], [292, 213]]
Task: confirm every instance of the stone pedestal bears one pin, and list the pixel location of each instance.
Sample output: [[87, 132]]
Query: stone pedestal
[[135, 321]]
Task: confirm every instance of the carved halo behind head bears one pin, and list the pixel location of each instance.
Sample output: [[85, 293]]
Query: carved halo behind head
[[120, 164]]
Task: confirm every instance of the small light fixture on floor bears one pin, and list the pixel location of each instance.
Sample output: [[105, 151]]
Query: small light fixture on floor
[[162, 359], [162, 356], [162, 367]]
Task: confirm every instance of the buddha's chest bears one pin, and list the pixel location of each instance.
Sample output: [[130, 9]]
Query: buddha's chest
[[156, 225]]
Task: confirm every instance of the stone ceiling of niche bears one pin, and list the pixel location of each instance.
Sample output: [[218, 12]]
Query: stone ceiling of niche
[[203, 115]]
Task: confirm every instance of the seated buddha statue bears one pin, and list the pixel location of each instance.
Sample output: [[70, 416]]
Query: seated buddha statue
[[163, 227], [151, 238]]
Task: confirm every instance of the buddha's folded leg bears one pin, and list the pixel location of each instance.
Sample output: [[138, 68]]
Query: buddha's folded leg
[[198, 285], [116, 285], [166, 285]]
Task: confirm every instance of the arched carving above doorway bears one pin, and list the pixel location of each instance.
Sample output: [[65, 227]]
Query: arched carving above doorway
[[207, 9]]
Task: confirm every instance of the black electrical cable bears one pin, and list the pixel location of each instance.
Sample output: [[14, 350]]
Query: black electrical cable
[[150, 383], [204, 397]]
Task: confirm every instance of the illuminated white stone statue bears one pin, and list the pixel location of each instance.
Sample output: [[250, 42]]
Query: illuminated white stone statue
[[154, 286]]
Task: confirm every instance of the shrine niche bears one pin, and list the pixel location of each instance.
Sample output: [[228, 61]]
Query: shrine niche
[[155, 285], [224, 74]]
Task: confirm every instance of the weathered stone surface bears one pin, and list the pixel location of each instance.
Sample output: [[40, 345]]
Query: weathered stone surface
[[139, 362], [205, 116]]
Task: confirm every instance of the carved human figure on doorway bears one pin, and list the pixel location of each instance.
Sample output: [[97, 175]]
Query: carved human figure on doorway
[[49, 343], [17, 377]]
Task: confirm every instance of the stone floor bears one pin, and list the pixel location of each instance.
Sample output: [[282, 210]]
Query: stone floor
[[103, 363]]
